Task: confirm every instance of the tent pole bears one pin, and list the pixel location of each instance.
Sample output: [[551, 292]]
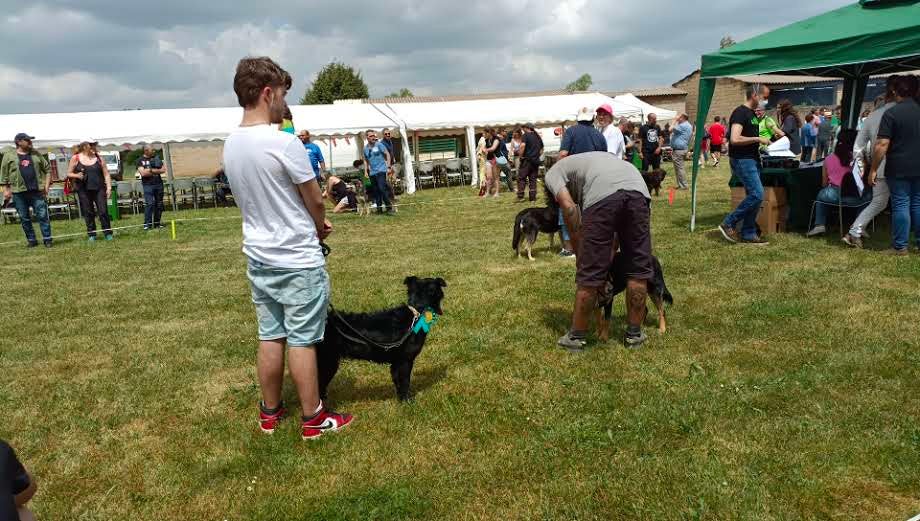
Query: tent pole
[[408, 167], [471, 154], [704, 100], [854, 90], [170, 176]]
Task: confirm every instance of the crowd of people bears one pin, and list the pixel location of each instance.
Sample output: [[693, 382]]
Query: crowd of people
[[861, 168]]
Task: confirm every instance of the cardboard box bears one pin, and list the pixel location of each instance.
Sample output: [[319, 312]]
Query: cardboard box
[[773, 211]]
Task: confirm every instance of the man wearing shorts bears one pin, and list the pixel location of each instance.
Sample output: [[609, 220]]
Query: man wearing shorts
[[604, 199], [284, 220]]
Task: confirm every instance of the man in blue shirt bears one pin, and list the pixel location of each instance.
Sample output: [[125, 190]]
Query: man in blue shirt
[[578, 139], [376, 164], [582, 137], [680, 143], [314, 153]]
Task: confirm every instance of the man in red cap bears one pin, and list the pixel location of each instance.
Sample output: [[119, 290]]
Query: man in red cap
[[616, 145]]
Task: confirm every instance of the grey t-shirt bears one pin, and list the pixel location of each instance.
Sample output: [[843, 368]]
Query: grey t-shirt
[[593, 176]]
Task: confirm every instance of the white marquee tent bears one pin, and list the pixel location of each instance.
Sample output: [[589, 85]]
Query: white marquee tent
[[645, 109], [135, 127]]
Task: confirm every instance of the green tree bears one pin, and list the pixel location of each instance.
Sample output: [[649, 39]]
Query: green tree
[[582, 84], [336, 81], [726, 41], [403, 93]]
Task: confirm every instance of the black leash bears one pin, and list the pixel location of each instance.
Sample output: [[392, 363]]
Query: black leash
[[356, 336], [359, 338]]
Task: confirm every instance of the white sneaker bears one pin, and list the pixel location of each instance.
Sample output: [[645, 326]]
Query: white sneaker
[[817, 230]]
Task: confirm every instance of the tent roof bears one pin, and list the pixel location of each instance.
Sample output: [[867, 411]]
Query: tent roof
[[852, 41], [539, 110], [646, 108], [115, 128]]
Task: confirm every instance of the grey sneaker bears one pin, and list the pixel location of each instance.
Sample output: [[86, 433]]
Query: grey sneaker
[[566, 254], [817, 230], [573, 345], [853, 241], [635, 341]]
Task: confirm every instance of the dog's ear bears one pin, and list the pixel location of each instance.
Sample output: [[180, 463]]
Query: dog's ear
[[441, 282], [410, 281]]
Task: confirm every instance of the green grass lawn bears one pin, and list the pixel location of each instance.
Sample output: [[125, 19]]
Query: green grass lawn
[[786, 388]]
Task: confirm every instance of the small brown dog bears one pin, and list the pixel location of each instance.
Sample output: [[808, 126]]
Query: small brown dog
[[653, 180]]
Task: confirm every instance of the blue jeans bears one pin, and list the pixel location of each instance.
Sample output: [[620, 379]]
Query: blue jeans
[[831, 194], [563, 229], [36, 201], [153, 205], [905, 210], [748, 172], [381, 191]]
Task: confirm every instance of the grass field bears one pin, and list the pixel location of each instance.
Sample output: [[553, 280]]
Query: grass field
[[788, 385]]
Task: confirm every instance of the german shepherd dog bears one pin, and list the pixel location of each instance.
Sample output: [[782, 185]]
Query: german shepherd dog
[[364, 206], [384, 337], [653, 180], [533, 221], [616, 284]]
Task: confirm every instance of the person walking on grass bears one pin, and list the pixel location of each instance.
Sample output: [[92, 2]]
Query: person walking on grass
[[530, 151], [284, 220], [151, 168], [865, 142], [94, 187], [25, 176], [376, 166], [680, 143], [744, 159], [650, 149], [897, 144], [603, 200], [578, 139], [716, 139]]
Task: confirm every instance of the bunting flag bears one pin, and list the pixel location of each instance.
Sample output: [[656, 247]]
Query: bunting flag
[[347, 140], [333, 142]]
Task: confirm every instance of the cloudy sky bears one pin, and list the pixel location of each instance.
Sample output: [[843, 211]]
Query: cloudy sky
[[71, 55]]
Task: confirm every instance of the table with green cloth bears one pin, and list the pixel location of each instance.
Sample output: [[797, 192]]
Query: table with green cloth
[[802, 186]]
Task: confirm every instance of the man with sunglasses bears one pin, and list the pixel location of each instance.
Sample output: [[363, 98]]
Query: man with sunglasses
[[25, 176]]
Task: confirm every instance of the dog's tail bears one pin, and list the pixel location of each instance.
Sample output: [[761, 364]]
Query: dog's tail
[[665, 294], [516, 240]]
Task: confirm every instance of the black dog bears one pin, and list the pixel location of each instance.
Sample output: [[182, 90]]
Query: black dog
[[533, 221], [385, 337], [616, 284], [653, 180]]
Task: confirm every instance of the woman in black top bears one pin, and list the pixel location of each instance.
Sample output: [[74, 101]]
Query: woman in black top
[[492, 174], [791, 125], [94, 187]]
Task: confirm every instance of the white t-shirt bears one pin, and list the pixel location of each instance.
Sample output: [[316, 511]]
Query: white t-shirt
[[264, 166], [616, 144]]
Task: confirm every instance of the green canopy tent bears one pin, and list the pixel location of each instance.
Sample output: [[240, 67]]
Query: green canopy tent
[[853, 43]]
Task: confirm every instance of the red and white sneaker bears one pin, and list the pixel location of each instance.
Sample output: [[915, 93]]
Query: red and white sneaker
[[325, 421], [268, 422]]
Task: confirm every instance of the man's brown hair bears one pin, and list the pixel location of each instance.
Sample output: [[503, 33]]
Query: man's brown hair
[[253, 75]]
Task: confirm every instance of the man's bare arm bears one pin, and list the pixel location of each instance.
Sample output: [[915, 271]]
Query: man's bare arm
[[313, 200]]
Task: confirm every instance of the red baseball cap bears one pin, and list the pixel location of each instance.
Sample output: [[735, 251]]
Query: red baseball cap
[[606, 108]]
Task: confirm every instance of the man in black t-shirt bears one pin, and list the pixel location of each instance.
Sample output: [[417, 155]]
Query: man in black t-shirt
[[150, 167], [898, 143], [744, 157], [531, 149], [650, 134], [16, 486]]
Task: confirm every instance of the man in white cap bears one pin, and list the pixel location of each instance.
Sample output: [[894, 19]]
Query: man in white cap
[[578, 139], [616, 144]]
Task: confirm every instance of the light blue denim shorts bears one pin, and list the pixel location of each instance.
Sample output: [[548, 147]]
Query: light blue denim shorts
[[290, 303]]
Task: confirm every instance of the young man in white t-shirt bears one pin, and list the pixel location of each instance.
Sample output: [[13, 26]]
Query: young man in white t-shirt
[[284, 219]]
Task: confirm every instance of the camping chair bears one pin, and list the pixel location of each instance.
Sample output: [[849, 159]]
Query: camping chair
[[139, 200], [453, 170], [840, 205], [185, 191], [206, 188], [125, 191], [466, 166], [10, 215], [426, 174], [57, 202]]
